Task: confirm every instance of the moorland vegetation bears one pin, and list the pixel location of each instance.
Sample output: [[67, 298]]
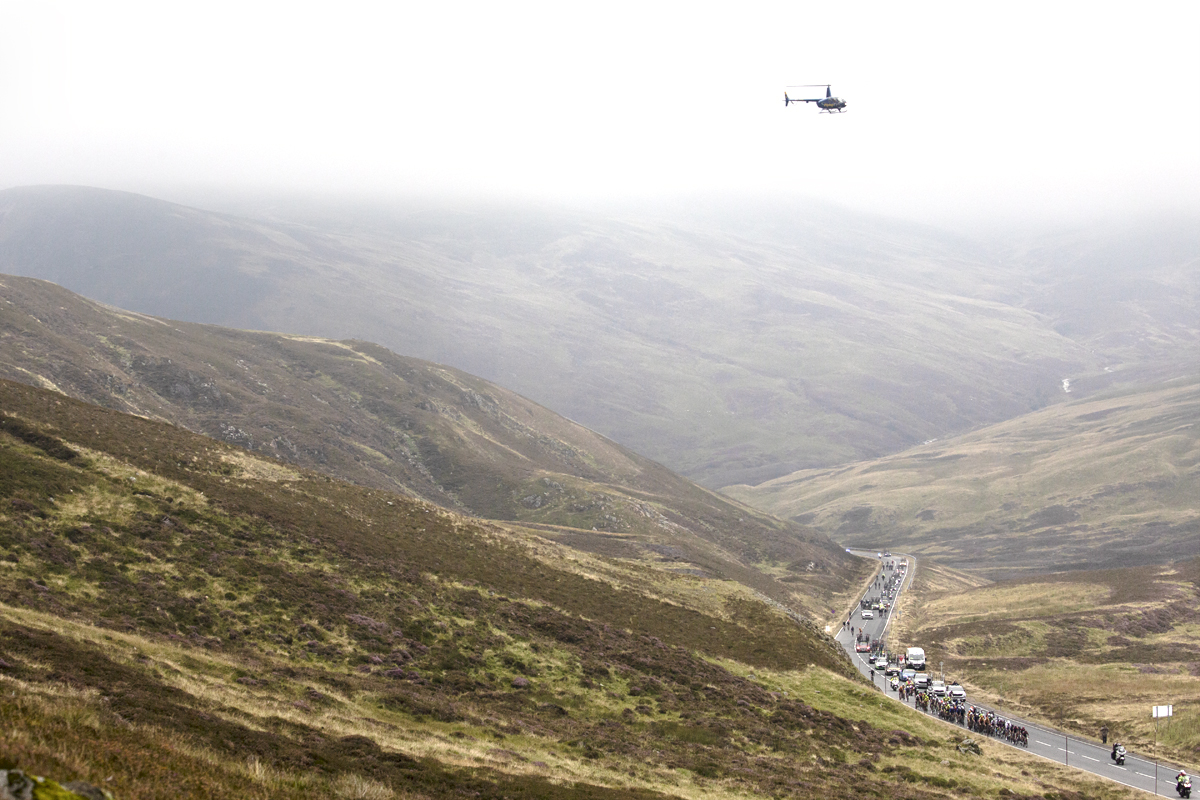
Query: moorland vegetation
[[1108, 481], [356, 411], [183, 618]]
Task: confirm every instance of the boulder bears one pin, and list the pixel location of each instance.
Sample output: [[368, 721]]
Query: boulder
[[15, 785]]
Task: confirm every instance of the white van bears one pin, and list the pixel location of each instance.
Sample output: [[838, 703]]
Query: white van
[[915, 658]]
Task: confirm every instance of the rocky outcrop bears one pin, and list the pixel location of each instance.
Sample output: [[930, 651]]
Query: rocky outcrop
[[16, 785]]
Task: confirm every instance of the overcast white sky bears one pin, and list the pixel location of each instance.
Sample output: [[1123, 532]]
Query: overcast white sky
[[954, 108]]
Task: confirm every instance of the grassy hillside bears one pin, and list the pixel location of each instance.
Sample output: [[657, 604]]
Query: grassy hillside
[[359, 412], [1108, 481], [182, 618], [1079, 649], [733, 346]]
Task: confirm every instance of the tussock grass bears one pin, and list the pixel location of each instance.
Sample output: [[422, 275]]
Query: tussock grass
[[356, 787], [1005, 601]]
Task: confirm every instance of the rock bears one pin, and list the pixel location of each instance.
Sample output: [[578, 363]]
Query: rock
[[969, 746], [15, 785], [86, 790], [520, 683]]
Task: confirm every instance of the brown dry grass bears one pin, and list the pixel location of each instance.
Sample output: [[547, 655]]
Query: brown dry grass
[[1078, 650], [1107, 481]]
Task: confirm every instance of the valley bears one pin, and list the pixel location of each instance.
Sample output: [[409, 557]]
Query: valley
[[247, 550], [480, 401]]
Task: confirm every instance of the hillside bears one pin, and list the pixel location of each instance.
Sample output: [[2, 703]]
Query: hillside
[[1103, 482], [358, 412], [182, 618], [732, 345]]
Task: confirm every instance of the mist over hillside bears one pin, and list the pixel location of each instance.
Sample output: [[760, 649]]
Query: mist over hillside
[[733, 345]]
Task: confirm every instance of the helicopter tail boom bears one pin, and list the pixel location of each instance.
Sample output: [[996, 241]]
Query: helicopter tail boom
[[787, 100]]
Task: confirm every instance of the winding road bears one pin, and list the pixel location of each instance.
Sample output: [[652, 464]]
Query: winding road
[[1138, 772]]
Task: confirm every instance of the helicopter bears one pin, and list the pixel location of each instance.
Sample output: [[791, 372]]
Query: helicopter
[[828, 103]]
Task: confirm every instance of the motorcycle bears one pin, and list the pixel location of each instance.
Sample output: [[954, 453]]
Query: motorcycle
[[1184, 787], [1118, 755]]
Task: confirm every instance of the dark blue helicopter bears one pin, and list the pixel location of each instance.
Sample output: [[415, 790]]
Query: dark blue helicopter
[[828, 103]]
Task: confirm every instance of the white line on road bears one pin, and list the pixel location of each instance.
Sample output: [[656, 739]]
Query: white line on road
[[1045, 743], [1114, 766], [1089, 758]]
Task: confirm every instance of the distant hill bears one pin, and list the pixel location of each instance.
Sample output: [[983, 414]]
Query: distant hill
[[359, 412], [732, 345], [1110, 481]]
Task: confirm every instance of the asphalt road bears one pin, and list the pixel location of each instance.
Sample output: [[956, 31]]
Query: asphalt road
[[1138, 772]]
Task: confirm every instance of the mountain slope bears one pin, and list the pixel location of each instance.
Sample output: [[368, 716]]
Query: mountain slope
[[359, 412], [1109, 481], [731, 346], [182, 618]]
